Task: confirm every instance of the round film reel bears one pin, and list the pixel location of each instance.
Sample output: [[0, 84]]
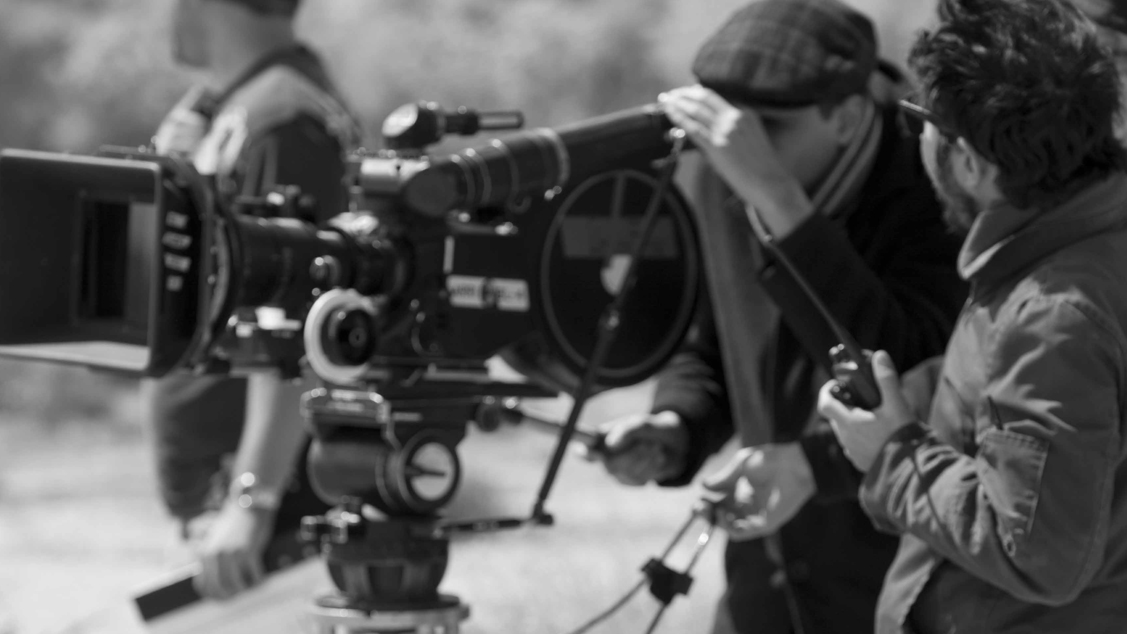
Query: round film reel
[[583, 260]]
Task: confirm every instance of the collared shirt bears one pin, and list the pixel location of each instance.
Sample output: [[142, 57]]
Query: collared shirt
[[1012, 497]]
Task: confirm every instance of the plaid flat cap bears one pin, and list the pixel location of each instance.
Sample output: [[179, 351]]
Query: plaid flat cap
[[789, 53]]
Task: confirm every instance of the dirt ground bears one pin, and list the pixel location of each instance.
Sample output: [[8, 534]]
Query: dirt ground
[[80, 528]]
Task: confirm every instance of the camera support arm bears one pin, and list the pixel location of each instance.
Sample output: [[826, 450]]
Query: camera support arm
[[608, 326]]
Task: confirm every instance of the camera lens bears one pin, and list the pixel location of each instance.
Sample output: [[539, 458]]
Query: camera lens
[[350, 337]]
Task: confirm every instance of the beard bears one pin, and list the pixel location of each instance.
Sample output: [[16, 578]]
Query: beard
[[959, 208]]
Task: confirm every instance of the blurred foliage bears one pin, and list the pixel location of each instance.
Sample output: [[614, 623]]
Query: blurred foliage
[[76, 74]]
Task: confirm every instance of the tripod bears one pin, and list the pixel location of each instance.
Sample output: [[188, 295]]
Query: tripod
[[391, 469], [387, 573], [403, 462]]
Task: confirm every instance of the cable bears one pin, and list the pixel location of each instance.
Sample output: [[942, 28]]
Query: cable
[[665, 584], [609, 612]]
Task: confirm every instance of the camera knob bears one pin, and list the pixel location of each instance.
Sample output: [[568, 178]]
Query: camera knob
[[326, 272], [351, 336], [425, 473], [341, 335], [345, 528], [314, 529]]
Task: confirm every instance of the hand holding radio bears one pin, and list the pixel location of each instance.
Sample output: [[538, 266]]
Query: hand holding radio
[[861, 423]]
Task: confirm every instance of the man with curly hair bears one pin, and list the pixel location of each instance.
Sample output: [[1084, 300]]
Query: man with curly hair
[[1110, 17], [1010, 489]]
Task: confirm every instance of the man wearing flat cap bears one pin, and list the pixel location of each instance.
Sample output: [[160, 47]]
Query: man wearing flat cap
[[796, 120], [230, 452]]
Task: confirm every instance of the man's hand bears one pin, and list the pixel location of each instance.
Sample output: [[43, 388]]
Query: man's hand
[[863, 433], [641, 448], [737, 146], [230, 544], [762, 488]]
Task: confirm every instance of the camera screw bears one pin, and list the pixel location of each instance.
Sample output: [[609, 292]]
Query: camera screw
[[314, 529], [326, 270]]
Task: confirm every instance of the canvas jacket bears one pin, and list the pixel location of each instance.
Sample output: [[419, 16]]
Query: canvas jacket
[[1012, 495]]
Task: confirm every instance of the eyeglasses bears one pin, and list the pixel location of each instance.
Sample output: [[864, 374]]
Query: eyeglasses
[[917, 116]]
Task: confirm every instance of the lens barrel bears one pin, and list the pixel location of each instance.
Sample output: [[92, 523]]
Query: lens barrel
[[536, 161]]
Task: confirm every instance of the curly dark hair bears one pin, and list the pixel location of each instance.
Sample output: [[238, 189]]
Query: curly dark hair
[[1030, 88]]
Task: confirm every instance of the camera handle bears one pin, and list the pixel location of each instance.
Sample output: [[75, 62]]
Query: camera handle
[[608, 326]]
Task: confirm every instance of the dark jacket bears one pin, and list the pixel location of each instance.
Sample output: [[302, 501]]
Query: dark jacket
[[1023, 454], [281, 123], [886, 270]]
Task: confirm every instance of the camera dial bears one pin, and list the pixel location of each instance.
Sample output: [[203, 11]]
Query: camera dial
[[428, 472], [341, 335]]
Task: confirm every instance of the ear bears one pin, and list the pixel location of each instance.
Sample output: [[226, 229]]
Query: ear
[[972, 170], [846, 118]]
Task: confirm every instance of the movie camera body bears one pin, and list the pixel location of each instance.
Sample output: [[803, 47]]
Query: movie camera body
[[510, 248], [515, 244]]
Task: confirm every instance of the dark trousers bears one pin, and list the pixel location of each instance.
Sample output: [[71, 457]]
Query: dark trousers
[[836, 563]]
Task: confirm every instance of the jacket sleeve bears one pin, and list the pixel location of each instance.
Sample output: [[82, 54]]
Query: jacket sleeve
[[904, 300], [692, 384], [1029, 511], [300, 152]]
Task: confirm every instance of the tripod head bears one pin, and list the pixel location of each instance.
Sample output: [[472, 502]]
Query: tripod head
[[388, 458]]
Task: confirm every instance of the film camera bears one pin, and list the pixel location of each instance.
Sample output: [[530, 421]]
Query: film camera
[[510, 248]]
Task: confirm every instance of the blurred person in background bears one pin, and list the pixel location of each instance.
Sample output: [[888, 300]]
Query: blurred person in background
[[1110, 17], [231, 451], [1009, 489], [796, 118]]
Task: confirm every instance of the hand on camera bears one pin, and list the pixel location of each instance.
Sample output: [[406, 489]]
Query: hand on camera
[[229, 545], [643, 448], [761, 489], [862, 433], [736, 145]]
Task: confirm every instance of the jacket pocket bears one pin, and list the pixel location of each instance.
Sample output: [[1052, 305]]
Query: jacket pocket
[[1009, 469]]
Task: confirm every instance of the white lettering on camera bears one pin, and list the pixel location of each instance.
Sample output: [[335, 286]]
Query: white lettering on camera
[[177, 263], [177, 241], [468, 291]]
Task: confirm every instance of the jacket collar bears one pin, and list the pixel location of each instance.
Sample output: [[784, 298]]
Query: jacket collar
[[299, 57], [895, 167], [1005, 240]]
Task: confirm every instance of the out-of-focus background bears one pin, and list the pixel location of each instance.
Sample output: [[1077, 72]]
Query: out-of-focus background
[[80, 524]]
